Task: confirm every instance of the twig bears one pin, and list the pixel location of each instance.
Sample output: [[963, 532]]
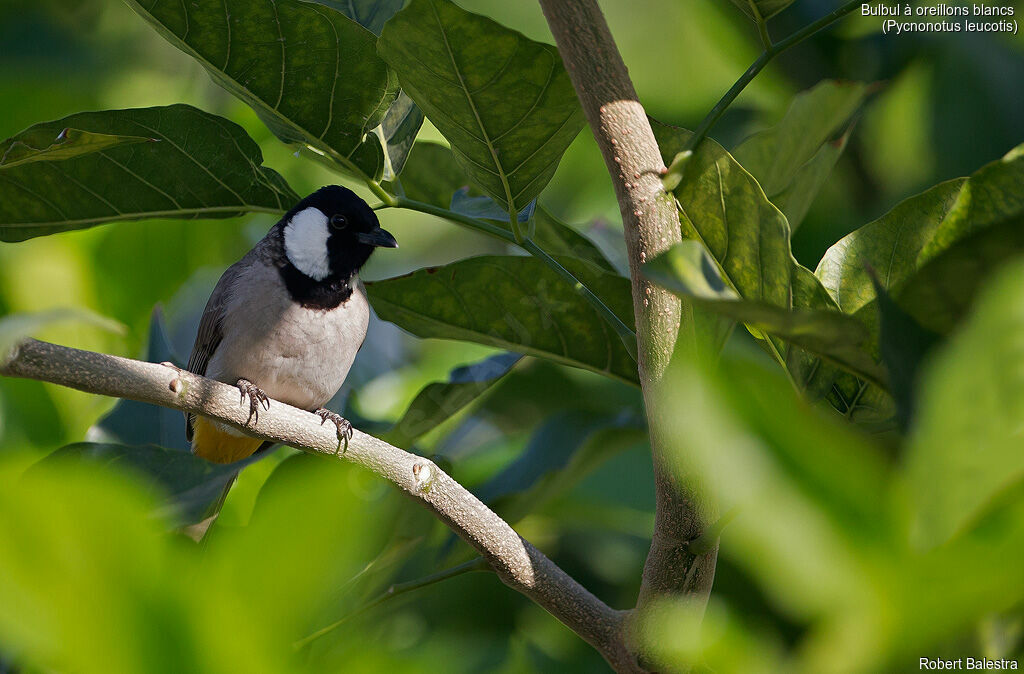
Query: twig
[[518, 563], [651, 225]]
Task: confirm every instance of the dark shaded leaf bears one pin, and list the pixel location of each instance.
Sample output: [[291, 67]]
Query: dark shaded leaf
[[203, 166], [904, 344], [311, 74], [432, 175], [399, 130], [561, 452], [504, 102], [486, 208], [188, 484], [689, 271], [134, 423], [439, 401], [36, 145], [513, 303]]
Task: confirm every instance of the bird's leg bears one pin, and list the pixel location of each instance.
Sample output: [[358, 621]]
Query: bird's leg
[[343, 425], [256, 398]]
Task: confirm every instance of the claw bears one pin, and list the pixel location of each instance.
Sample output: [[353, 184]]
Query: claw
[[343, 425], [256, 398]]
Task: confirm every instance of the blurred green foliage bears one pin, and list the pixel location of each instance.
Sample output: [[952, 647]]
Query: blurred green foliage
[[849, 552]]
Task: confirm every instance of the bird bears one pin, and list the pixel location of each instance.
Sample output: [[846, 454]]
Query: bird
[[285, 322]]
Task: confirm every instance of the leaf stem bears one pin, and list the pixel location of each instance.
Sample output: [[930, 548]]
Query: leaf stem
[[478, 564], [762, 25], [771, 51]]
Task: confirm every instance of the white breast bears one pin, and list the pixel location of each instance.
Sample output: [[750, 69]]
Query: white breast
[[296, 355]]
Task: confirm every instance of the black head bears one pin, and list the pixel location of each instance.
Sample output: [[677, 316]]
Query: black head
[[326, 239]]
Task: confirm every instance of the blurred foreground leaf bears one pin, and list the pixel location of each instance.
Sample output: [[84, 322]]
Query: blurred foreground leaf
[[201, 166], [17, 327], [513, 303], [966, 447]]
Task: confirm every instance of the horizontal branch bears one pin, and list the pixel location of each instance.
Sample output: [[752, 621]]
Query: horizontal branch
[[518, 563]]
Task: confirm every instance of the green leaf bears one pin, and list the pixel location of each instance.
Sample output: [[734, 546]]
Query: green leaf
[[504, 102], [133, 423], [202, 166], [966, 448], [36, 145], [184, 485], [766, 9], [486, 208], [689, 271], [398, 131], [775, 156], [919, 229], [722, 206], [16, 327], [432, 175], [513, 303], [796, 199], [311, 74], [439, 401]]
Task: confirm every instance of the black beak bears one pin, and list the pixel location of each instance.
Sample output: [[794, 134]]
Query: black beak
[[379, 237]]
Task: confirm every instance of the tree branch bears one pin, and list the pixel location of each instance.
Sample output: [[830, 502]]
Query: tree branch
[[631, 154], [519, 565]]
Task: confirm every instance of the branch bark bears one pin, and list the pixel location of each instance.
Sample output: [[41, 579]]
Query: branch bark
[[663, 323], [518, 563]]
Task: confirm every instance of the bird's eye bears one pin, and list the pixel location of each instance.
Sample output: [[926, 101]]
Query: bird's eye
[[339, 221]]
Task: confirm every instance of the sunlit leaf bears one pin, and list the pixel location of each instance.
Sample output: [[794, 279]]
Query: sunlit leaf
[[966, 446], [919, 229], [202, 166], [796, 199], [36, 145], [311, 73], [513, 303], [688, 270], [503, 101]]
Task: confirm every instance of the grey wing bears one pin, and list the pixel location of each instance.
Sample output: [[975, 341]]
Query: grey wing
[[210, 334]]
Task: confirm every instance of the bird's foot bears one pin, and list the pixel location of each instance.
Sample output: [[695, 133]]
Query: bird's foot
[[343, 425], [256, 398]]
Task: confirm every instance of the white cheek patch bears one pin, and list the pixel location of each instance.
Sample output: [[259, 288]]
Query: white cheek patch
[[305, 243]]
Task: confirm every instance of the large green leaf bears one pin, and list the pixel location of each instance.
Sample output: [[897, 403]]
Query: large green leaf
[[775, 156], [439, 401], [689, 271], [513, 303], [966, 448], [504, 102], [200, 166], [796, 199], [919, 229], [310, 73]]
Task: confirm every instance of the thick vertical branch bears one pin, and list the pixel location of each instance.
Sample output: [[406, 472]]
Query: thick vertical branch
[[651, 226]]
